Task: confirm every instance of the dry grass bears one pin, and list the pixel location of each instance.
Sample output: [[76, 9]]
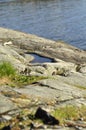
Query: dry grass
[[5, 81], [70, 112]]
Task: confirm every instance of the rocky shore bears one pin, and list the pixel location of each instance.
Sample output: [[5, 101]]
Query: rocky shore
[[64, 85]]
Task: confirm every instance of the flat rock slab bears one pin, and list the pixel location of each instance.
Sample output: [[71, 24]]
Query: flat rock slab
[[6, 104], [65, 90]]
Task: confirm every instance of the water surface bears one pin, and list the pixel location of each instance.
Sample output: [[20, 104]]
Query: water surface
[[54, 19], [39, 58]]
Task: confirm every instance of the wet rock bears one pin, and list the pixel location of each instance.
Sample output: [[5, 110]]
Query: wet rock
[[46, 117]]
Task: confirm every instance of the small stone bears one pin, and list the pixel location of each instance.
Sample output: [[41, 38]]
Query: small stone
[[7, 117], [46, 117], [21, 125]]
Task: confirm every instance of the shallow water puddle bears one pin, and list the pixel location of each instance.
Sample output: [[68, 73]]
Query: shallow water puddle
[[40, 59]]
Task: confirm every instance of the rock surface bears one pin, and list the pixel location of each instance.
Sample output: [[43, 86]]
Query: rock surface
[[65, 83], [6, 104], [8, 54], [45, 47]]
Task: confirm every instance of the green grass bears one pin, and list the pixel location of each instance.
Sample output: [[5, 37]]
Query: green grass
[[70, 113], [9, 76], [21, 80], [6, 69]]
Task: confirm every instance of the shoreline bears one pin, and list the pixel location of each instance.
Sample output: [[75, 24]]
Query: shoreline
[[42, 46]]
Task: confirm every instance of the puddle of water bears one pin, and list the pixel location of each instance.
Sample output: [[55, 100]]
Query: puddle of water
[[39, 58]]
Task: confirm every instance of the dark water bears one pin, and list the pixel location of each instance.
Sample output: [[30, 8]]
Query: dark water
[[54, 19], [40, 59]]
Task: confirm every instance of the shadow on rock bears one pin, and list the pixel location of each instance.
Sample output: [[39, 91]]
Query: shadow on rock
[[6, 128], [46, 117]]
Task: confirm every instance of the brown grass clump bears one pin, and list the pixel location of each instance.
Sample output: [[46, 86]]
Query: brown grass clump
[[5, 81]]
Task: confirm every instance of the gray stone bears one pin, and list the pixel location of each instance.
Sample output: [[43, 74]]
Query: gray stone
[[49, 69], [63, 90], [6, 104], [6, 117], [12, 56], [82, 68]]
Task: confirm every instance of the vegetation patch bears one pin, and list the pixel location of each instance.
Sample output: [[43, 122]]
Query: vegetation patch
[[6, 69], [70, 112], [5, 80], [9, 76], [21, 80], [81, 87]]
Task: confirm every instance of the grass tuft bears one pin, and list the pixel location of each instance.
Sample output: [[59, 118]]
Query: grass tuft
[[9, 76], [21, 80], [70, 113], [6, 69]]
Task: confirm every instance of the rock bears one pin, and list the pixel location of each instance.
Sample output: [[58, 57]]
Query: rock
[[49, 69], [33, 127], [8, 43], [37, 70], [28, 57], [46, 117], [7, 127], [60, 68], [81, 68], [12, 56], [58, 89], [6, 104], [65, 83], [6, 117], [77, 124]]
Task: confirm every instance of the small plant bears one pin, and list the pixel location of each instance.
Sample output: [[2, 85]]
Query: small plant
[[6, 69], [22, 80], [70, 113], [8, 75]]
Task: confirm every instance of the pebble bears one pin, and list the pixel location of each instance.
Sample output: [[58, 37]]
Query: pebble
[[6, 117]]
